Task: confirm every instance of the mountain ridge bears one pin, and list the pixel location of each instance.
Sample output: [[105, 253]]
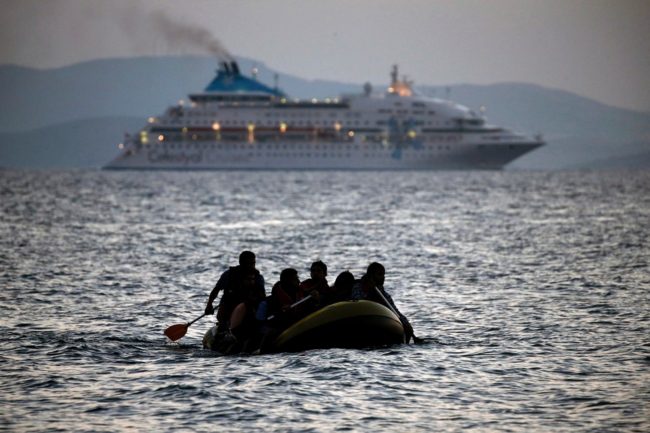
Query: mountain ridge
[[54, 102]]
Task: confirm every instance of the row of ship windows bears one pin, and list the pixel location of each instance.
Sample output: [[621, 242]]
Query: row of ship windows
[[282, 114], [304, 123], [270, 147], [414, 112], [233, 139], [266, 99], [333, 155], [316, 115]]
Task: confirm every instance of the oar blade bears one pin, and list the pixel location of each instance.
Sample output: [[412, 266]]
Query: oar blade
[[418, 340], [176, 332]]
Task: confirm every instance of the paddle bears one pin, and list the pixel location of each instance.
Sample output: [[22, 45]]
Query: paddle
[[295, 304], [178, 331], [416, 340]]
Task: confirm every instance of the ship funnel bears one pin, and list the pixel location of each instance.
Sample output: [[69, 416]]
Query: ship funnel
[[235, 68], [226, 67]]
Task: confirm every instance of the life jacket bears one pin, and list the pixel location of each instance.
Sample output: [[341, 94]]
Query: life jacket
[[235, 293], [283, 297], [308, 285]]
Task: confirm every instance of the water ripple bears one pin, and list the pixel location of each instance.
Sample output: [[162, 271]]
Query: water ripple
[[530, 289]]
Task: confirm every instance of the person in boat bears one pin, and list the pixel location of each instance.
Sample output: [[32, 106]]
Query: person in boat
[[243, 325], [316, 286], [371, 287], [341, 290], [279, 310], [243, 290], [284, 294]]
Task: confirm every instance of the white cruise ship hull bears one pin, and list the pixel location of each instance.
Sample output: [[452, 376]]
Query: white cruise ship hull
[[239, 123], [307, 156]]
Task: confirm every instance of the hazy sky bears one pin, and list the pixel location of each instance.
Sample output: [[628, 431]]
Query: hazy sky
[[596, 48]]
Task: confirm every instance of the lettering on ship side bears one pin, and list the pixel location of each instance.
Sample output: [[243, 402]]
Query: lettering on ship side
[[212, 157], [166, 157]]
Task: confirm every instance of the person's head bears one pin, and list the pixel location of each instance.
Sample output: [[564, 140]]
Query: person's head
[[344, 281], [318, 270], [247, 260], [376, 273], [289, 278]]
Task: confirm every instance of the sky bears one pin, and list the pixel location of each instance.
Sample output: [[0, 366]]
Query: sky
[[599, 49]]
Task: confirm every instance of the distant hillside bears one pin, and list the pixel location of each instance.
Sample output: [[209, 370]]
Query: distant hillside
[[145, 86], [528, 107], [578, 130], [78, 144], [87, 107]]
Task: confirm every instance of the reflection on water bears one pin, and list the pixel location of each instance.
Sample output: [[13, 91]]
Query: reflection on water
[[531, 288]]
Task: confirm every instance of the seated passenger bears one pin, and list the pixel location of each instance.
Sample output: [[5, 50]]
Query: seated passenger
[[316, 286], [371, 287], [230, 283], [240, 332], [242, 323], [342, 288], [284, 294], [279, 313]]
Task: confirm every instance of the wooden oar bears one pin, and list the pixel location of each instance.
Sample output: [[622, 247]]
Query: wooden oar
[[178, 331], [416, 340]]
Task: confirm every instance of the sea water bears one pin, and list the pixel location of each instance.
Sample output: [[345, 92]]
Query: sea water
[[531, 290]]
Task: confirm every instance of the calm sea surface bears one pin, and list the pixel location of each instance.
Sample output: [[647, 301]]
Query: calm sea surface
[[532, 290]]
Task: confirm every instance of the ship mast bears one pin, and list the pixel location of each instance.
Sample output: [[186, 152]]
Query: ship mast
[[397, 87], [393, 76]]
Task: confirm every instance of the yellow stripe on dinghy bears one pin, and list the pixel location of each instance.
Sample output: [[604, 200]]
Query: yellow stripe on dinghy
[[369, 317]]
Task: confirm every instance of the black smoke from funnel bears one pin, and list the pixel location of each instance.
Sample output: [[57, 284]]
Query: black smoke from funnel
[[184, 35]]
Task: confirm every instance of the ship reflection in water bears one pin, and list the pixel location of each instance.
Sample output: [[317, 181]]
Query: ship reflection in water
[[240, 123]]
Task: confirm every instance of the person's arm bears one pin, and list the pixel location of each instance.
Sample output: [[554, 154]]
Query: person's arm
[[311, 288], [408, 329], [221, 284], [389, 299]]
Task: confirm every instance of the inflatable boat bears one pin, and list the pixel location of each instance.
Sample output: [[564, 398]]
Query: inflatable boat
[[348, 324]]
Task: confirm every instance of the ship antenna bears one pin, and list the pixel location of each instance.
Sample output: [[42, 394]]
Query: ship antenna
[[393, 75], [276, 77]]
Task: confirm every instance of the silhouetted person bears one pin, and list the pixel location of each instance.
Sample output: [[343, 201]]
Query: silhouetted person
[[316, 286], [371, 287], [280, 314], [341, 290], [285, 293], [243, 289]]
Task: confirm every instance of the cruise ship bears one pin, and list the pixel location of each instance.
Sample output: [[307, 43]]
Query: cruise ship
[[237, 122]]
